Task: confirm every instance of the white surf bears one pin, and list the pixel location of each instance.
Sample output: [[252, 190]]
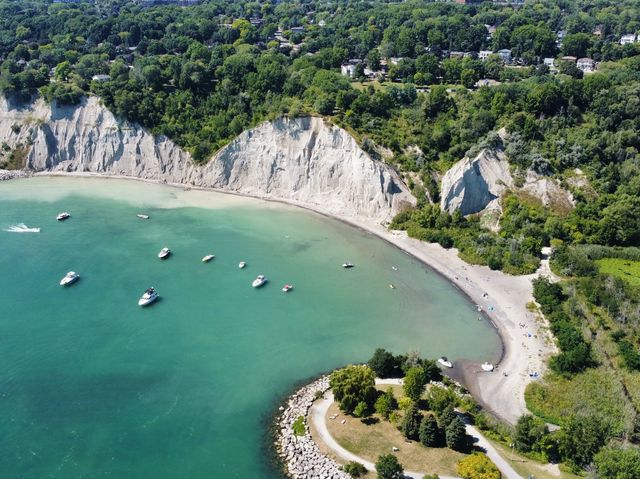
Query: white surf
[[22, 228]]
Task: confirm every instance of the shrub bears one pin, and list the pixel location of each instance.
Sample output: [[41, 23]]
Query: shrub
[[361, 410], [530, 432], [298, 426], [618, 463], [383, 363], [354, 469], [477, 466]]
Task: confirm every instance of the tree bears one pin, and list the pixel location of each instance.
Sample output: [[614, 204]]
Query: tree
[[477, 466], [580, 438], [447, 416], [382, 363], [411, 423], [352, 385], [430, 434], [529, 432], [456, 435], [414, 383], [388, 467], [386, 403], [62, 71], [577, 44], [618, 463]]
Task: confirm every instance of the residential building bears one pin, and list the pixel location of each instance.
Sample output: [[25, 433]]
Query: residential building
[[349, 69], [484, 54], [100, 78], [569, 58], [628, 38], [586, 65], [505, 54]]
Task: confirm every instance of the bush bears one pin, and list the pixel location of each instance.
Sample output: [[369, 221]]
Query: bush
[[354, 469], [477, 466], [548, 295], [298, 426], [530, 432], [361, 410]]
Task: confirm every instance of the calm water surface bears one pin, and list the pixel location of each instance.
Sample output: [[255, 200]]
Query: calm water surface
[[91, 385]]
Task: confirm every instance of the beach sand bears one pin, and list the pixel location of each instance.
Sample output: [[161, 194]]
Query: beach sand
[[503, 298]]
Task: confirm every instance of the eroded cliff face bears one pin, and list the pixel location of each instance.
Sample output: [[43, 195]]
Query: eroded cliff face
[[303, 160], [475, 185]]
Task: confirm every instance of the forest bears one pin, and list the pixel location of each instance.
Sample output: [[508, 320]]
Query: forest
[[420, 98]]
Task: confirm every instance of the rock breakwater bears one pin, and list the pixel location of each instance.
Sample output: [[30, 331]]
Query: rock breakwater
[[12, 174], [300, 454]]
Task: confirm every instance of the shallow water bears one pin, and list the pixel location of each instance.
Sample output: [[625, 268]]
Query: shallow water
[[91, 385]]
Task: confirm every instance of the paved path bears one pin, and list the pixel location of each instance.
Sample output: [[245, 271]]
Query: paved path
[[318, 413]]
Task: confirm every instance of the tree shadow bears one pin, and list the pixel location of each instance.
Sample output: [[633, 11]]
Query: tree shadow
[[369, 421]]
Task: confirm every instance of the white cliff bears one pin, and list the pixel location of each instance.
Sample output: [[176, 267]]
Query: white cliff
[[476, 185], [303, 160]]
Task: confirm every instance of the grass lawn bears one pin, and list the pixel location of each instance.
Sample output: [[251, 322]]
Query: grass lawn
[[372, 440], [526, 467], [625, 269]]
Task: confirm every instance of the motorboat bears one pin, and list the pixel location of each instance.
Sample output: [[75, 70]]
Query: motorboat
[[259, 281], [149, 296], [143, 217], [164, 253], [70, 278], [208, 258], [445, 362], [287, 287], [63, 216], [487, 367], [392, 286], [241, 264], [348, 265]]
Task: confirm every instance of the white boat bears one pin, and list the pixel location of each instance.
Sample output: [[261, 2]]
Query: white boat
[[149, 296], [141, 216], [487, 367], [241, 264], [391, 285], [259, 281], [445, 362], [63, 216], [287, 287], [164, 253], [70, 278], [208, 258], [348, 264]]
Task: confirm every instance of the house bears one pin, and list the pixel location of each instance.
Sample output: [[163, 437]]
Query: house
[[100, 78], [486, 82], [484, 54], [569, 58], [297, 29], [395, 60], [349, 69], [456, 54], [491, 30], [598, 30], [587, 65], [628, 38], [550, 63], [560, 36], [505, 54]]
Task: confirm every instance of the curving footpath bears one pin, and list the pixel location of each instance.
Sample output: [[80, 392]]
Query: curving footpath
[[318, 414]]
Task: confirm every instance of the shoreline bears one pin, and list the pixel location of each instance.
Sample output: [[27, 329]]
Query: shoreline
[[524, 345]]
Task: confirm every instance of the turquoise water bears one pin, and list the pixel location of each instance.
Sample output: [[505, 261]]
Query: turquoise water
[[91, 385]]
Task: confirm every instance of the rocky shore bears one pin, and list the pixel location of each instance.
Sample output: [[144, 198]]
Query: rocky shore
[[12, 174], [300, 454]]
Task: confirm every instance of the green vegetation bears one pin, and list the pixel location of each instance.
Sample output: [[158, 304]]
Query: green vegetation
[[388, 467], [353, 386], [478, 466], [298, 426], [354, 469], [624, 269]]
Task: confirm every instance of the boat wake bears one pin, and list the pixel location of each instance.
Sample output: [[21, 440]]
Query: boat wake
[[21, 228]]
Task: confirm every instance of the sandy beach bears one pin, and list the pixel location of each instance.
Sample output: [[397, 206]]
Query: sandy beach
[[502, 298]]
